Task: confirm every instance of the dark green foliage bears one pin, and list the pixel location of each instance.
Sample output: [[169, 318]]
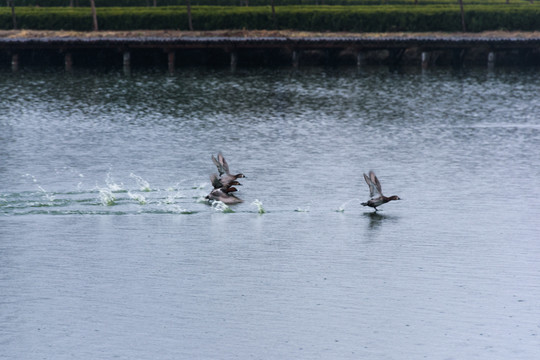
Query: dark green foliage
[[380, 18], [133, 3]]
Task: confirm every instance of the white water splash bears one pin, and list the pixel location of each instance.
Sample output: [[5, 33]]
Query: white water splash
[[179, 210], [49, 196], [202, 200], [143, 184], [259, 206], [138, 197], [175, 187], [221, 207], [346, 203], [302, 210], [173, 195], [112, 185], [170, 199], [106, 197]]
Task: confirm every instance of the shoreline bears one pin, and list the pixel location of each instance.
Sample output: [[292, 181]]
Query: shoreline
[[270, 47], [171, 34]]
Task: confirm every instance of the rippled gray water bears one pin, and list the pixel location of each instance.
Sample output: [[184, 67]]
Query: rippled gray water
[[107, 249]]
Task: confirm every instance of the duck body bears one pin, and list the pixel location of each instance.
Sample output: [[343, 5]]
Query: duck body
[[379, 201], [375, 192], [224, 195]]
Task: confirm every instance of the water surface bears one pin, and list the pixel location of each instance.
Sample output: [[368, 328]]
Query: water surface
[[108, 249]]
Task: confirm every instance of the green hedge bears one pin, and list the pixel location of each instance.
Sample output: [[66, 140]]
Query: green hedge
[[143, 3], [320, 18]]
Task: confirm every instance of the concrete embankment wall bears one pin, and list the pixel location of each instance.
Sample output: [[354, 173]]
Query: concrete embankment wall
[[393, 50]]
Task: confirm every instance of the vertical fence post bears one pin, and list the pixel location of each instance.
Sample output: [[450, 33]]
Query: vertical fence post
[[360, 58], [491, 59], [15, 62], [68, 61], [295, 58], [127, 62], [12, 4], [171, 57], [94, 15], [425, 59], [234, 59], [190, 20]]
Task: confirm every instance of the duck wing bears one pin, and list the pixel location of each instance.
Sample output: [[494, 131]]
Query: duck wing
[[215, 181], [218, 165], [375, 181], [374, 192], [223, 163]]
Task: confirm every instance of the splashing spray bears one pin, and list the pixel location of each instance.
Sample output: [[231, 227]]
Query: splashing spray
[[342, 207], [259, 206], [49, 196], [138, 197], [112, 185], [143, 184], [106, 197], [221, 207]]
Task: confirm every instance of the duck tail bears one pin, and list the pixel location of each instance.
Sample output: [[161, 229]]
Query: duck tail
[[364, 204]]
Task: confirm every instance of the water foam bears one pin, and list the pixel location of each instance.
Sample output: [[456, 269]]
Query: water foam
[[143, 184], [106, 197], [179, 210], [221, 207], [47, 195], [138, 197], [176, 194], [259, 206], [112, 185]]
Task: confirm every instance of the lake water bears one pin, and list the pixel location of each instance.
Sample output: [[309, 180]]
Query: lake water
[[108, 249]]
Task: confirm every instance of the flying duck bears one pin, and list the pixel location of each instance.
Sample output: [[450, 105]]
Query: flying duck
[[377, 197], [225, 177], [224, 195]]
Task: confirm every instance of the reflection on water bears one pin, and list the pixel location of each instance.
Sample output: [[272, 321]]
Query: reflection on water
[[108, 246], [377, 219]]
